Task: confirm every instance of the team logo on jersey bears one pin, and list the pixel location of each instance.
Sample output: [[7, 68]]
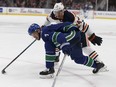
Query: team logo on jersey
[[46, 35]]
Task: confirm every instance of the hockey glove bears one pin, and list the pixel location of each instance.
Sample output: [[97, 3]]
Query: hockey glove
[[66, 49], [95, 39]]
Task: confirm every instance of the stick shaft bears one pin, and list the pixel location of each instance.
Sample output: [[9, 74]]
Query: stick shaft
[[59, 70], [18, 55]]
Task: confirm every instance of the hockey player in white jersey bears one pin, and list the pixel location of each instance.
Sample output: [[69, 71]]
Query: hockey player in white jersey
[[59, 14]]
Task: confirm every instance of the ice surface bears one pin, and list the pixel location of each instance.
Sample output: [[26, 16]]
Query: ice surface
[[24, 72]]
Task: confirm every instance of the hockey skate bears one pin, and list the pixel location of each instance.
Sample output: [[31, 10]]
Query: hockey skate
[[47, 74], [100, 68]]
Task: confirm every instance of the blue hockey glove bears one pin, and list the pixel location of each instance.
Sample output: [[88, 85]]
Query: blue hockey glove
[[66, 49], [95, 39]]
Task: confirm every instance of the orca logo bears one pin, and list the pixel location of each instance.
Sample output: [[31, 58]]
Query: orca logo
[[46, 35]]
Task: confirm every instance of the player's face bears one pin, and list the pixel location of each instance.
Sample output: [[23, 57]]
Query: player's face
[[36, 35], [59, 14]]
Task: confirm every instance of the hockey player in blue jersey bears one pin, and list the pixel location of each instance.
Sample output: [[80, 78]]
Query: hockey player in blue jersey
[[66, 36]]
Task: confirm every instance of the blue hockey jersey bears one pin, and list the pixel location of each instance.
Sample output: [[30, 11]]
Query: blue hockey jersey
[[60, 33], [55, 35]]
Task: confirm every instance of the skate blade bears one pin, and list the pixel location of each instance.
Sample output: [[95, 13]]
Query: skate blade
[[47, 76], [104, 69]]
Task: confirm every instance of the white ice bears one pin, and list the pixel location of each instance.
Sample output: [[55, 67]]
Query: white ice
[[24, 72]]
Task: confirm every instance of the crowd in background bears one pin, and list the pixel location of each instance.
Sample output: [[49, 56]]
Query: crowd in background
[[69, 4], [23, 3]]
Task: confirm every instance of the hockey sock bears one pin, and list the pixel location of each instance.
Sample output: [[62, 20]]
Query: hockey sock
[[90, 62], [50, 60], [85, 60], [91, 53]]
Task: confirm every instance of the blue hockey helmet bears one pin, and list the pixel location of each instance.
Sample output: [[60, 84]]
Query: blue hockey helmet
[[33, 27]]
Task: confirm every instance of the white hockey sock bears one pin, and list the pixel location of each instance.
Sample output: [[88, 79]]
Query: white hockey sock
[[91, 53]]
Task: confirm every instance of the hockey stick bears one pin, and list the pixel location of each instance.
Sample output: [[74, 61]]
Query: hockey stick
[[59, 70], [3, 71], [61, 65]]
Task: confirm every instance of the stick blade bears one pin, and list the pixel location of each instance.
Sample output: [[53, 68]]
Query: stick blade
[[3, 71]]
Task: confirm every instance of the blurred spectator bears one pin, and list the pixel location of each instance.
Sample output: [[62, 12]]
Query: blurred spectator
[[52, 3], [69, 4], [32, 3], [112, 5], [19, 3], [10, 3], [2, 3], [42, 4]]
